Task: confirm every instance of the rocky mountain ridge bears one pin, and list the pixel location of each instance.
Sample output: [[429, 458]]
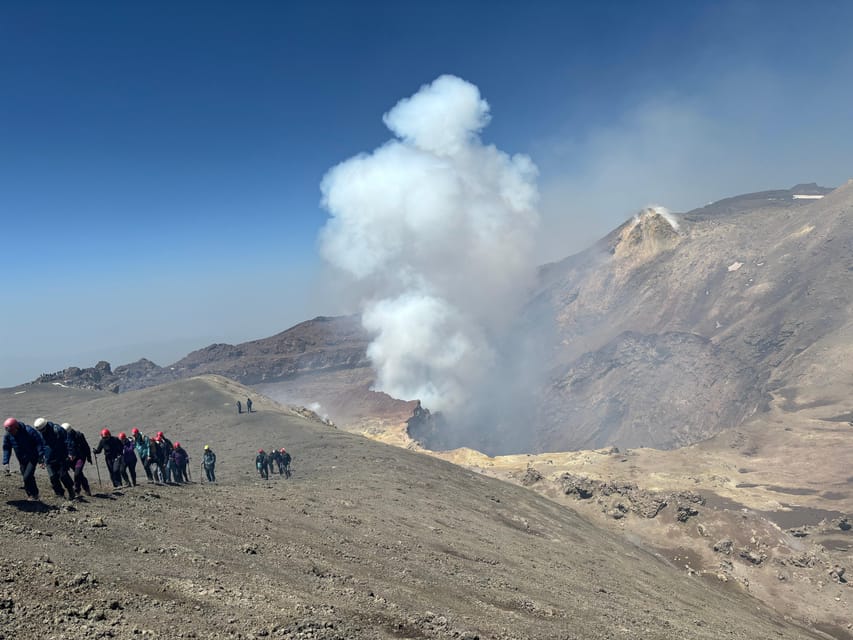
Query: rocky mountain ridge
[[320, 345], [671, 329]]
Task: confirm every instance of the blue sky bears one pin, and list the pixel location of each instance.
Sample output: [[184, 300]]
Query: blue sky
[[160, 162]]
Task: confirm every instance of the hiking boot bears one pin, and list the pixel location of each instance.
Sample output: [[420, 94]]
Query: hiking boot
[[88, 493], [33, 498]]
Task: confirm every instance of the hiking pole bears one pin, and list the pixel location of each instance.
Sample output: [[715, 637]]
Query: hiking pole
[[98, 469], [190, 471]]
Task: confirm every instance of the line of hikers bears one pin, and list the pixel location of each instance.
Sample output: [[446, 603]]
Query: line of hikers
[[60, 449], [266, 463]]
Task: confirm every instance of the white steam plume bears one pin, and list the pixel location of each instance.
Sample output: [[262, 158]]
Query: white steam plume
[[436, 231]]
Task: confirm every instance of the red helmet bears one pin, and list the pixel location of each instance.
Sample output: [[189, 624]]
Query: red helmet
[[177, 444], [11, 425], [134, 431], [105, 433], [122, 435], [260, 450], [159, 435]]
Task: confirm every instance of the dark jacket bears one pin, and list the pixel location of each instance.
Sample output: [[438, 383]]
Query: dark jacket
[[77, 445], [111, 446], [55, 450], [129, 451], [261, 460], [27, 444], [180, 457], [165, 447], [209, 459]]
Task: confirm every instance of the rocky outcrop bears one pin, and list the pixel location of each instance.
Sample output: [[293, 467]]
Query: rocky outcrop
[[98, 378], [618, 499]]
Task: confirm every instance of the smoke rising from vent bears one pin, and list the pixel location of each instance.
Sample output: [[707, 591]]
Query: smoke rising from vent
[[435, 231]]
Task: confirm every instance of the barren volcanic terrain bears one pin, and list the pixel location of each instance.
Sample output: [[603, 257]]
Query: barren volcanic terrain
[[364, 541]]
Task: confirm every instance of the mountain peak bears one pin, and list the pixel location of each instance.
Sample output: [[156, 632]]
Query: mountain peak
[[650, 232]]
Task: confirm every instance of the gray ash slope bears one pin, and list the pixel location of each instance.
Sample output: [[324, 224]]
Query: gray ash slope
[[663, 336], [366, 541]]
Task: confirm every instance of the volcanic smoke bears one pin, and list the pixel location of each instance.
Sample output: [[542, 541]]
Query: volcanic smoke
[[435, 231]]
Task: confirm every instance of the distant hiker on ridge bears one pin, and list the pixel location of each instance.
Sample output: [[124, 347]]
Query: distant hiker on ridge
[[56, 457], [248, 405], [28, 446], [239, 407], [208, 461], [79, 453]]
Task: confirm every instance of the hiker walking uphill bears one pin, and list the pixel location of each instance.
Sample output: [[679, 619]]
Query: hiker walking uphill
[[277, 462], [56, 457], [180, 459], [79, 453], [142, 444], [113, 454], [208, 461], [129, 459], [164, 456], [28, 446], [239, 407], [261, 464], [248, 405], [286, 459]]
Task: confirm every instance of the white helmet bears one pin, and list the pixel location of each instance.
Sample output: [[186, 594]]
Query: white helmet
[[65, 426], [39, 423]]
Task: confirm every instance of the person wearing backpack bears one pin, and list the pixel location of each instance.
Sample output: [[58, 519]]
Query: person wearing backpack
[[28, 446], [129, 459], [56, 457], [142, 444], [208, 461], [286, 458], [165, 448], [261, 464], [113, 455], [180, 459], [79, 453], [279, 462]]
